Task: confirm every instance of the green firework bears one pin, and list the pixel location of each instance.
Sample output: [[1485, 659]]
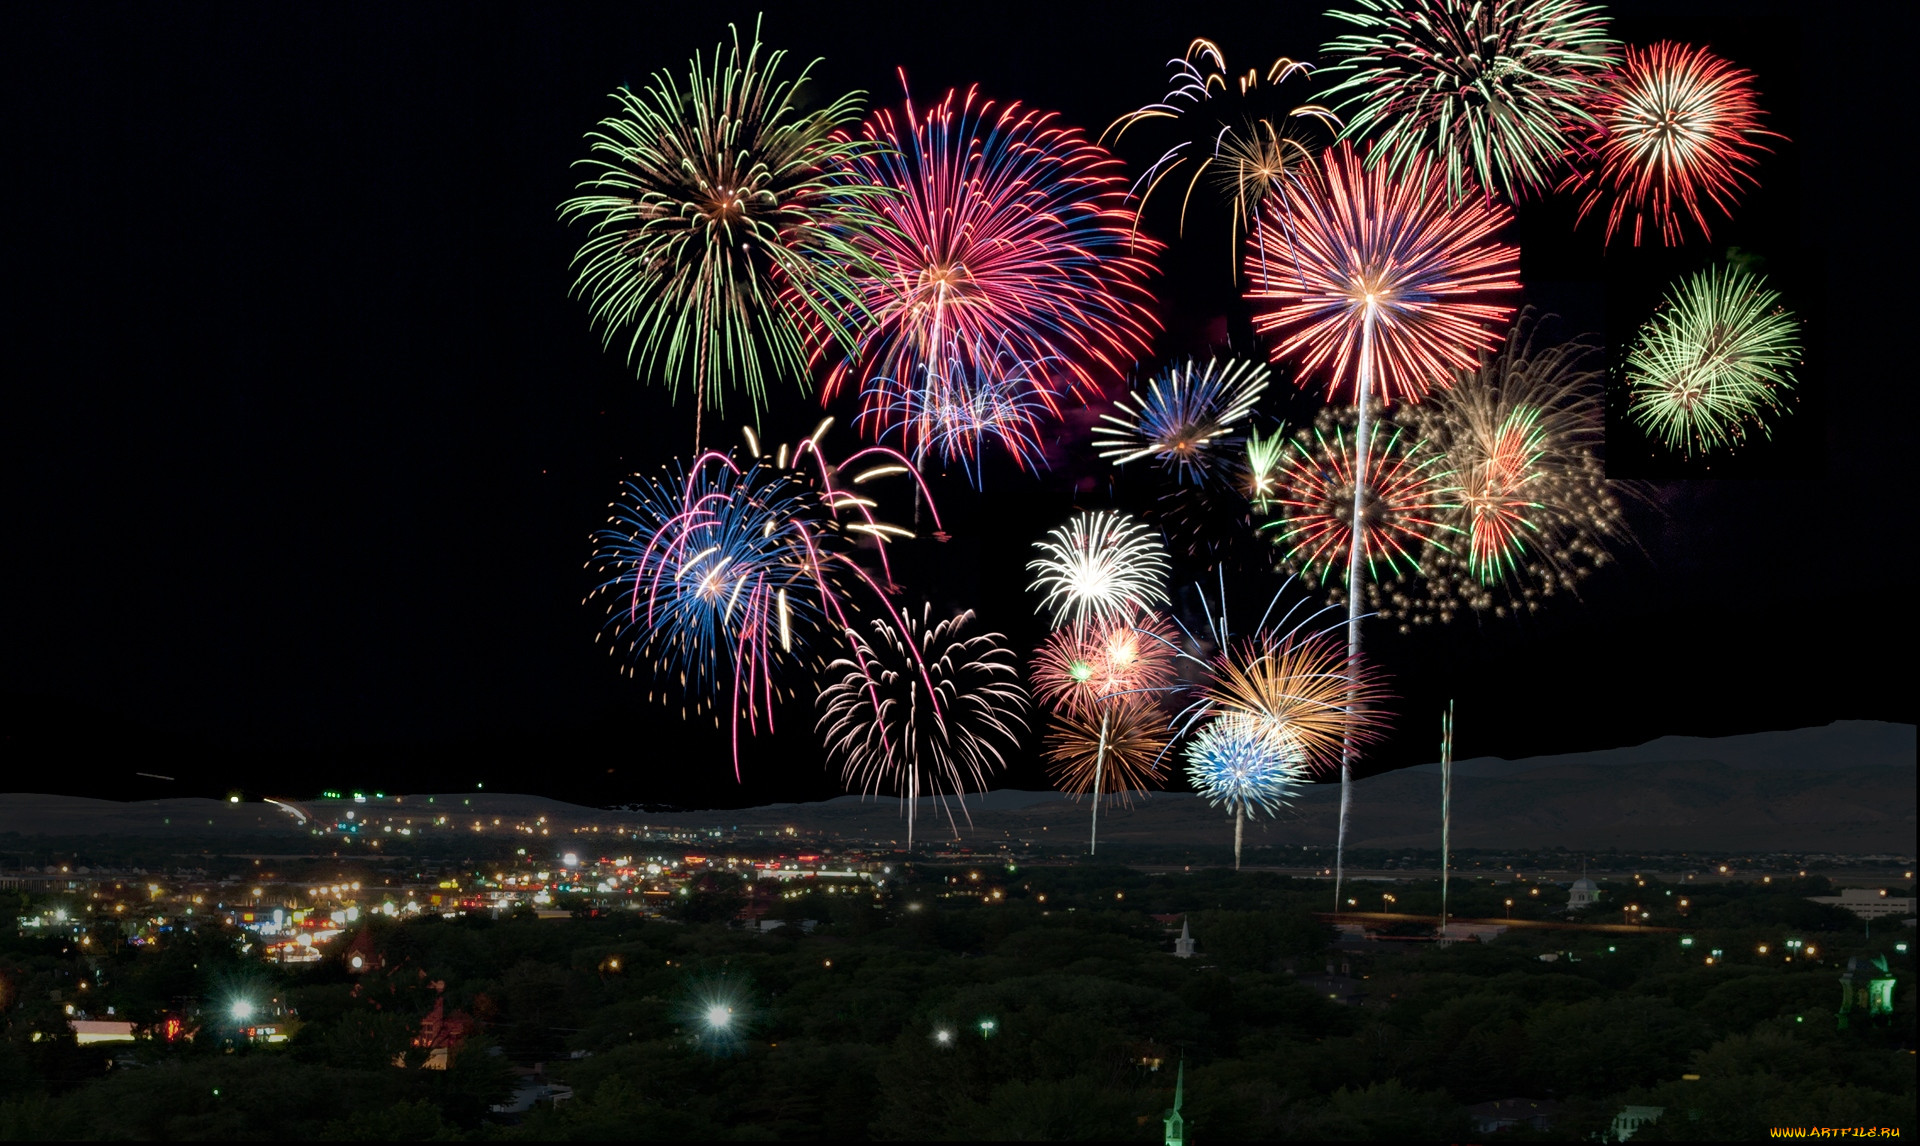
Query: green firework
[[720, 218], [1714, 362], [1490, 87]]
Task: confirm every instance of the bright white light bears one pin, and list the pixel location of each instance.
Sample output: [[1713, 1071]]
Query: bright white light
[[943, 1036], [719, 1016], [570, 860], [241, 1010], [1099, 566]]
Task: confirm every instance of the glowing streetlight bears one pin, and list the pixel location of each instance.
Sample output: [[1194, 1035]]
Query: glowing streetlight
[[241, 1010], [719, 1017], [987, 1028], [943, 1037]]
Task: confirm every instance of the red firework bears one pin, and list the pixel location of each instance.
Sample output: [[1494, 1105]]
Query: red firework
[[1010, 241], [1077, 670], [1675, 123], [1353, 244], [1408, 491]]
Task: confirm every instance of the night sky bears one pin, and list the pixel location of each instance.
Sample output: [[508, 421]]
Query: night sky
[[305, 437]]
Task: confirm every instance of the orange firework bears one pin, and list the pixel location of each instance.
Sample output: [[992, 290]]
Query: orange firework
[[1303, 687], [1112, 753]]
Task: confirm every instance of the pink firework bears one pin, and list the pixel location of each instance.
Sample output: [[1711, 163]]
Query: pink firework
[[1078, 670], [1360, 266], [1675, 124], [1010, 240]]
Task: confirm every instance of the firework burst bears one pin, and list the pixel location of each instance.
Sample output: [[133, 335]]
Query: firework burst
[[1379, 271], [975, 401], [1300, 686], [1100, 567], [1183, 418], [1008, 234], [722, 225], [1673, 124], [1492, 88], [1533, 511], [919, 709], [1082, 669], [1713, 362], [1112, 753], [1246, 766], [713, 573], [1260, 474], [1405, 506], [716, 574], [1234, 126]]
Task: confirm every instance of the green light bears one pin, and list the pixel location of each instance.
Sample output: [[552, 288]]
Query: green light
[[1081, 671], [1611, 949], [1686, 941]]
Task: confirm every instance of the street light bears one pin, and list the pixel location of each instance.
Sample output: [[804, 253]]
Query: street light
[[1509, 909], [719, 1016]]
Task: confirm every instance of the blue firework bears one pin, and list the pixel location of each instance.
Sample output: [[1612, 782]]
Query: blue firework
[[1246, 764], [713, 574], [954, 412], [1183, 418]]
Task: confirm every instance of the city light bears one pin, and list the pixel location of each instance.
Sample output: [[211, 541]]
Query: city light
[[988, 1027], [943, 1036], [241, 1010], [719, 1016]]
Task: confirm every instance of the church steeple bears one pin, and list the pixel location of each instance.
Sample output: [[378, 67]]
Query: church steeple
[[1176, 1125]]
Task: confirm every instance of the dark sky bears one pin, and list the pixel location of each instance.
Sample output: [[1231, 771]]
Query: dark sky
[[304, 437]]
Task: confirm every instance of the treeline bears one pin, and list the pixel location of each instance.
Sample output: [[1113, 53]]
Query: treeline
[[961, 1004]]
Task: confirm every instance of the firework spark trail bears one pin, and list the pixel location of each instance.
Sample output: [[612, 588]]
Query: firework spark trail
[[1380, 271], [722, 226], [1446, 808], [1184, 417], [1008, 233], [922, 709], [1100, 567], [1493, 88], [1672, 124], [1713, 362], [1233, 125]]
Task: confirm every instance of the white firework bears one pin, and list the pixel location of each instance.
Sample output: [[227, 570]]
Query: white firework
[[1099, 567], [922, 710]]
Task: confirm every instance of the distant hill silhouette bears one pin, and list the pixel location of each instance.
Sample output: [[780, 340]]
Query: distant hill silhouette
[[1846, 788]]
